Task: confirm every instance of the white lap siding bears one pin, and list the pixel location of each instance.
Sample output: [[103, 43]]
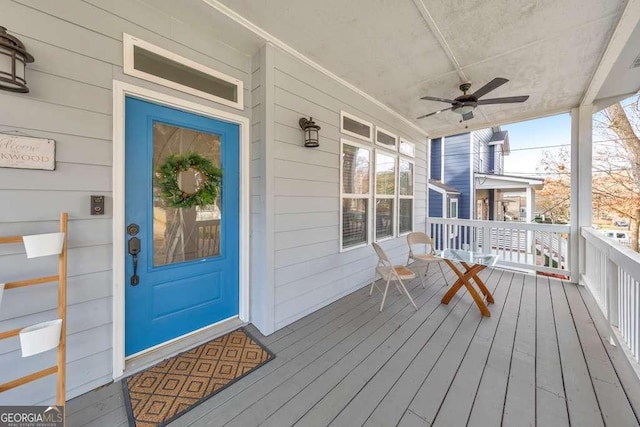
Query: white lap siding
[[310, 270], [77, 47]]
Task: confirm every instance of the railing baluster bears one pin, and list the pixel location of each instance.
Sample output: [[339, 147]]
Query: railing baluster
[[632, 317], [636, 341], [628, 309], [517, 244]]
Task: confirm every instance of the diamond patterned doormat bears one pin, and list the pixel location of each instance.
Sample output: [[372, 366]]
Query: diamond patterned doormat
[[164, 392]]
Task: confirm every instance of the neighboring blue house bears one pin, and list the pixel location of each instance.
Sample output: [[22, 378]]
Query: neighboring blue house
[[467, 179]]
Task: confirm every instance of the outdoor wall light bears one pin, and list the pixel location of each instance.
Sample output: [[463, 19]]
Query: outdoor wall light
[[13, 62], [310, 132]]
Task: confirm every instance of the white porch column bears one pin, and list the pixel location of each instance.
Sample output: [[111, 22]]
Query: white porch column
[[581, 186], [531, 204], [426, 203], [530, 213]]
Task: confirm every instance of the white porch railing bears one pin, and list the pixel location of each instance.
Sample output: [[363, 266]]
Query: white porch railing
[[539, 247], [612, 274]]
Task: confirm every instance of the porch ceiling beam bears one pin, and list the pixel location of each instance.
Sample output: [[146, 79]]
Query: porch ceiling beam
[[627, 23], [433, 26], [268, 37]]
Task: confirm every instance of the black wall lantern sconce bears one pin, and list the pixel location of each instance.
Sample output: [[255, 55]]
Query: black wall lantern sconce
[[13, 63], [310, 132]]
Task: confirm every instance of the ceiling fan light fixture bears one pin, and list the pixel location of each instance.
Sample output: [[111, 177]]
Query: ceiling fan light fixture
[[465, 104], [463, 109]]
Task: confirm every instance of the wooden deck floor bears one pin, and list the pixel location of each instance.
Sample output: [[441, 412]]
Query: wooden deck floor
[[542, 358]]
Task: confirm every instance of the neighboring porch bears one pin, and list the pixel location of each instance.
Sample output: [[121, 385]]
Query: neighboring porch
[[497, 196], [543, 358]]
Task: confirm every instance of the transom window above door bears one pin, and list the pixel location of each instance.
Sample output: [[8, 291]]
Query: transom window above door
[[155, 64]]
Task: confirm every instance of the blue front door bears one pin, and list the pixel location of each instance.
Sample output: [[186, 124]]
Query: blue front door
[[187, 257]]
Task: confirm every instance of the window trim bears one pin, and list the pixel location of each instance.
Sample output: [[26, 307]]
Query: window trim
[[393, 196], [405, 142], [453, 229], [407, 197], [130, 42], [367, 196], [391, 134], [451, 201], [344, 114]]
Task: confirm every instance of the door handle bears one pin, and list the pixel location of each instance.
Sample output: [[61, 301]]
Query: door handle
[[134, 250]]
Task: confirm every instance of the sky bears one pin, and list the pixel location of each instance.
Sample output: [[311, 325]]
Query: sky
[[525, 137]]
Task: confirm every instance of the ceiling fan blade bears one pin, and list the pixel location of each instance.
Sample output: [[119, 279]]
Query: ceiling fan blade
[[507, 100], [493, 84], [467, 116], [433, 114], [435, 98]]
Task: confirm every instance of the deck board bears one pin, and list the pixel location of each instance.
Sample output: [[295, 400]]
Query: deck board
[[521, 388], [624, 371], [290, 401], [231, 408], [551, 406], [488, 405], [444, 368], [422, 324], [582, 402], [395, 369], [455, 409], [615, 407], [305, 355], [543, 358]]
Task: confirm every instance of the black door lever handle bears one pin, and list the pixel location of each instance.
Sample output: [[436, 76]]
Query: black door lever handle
[[134, 250], [135, 279]]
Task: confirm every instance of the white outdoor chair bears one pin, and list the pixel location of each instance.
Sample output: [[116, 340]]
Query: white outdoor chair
[[390, 272], [423, 260]]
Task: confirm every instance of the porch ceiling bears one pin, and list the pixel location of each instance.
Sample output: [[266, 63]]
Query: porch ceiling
[[398, 51]]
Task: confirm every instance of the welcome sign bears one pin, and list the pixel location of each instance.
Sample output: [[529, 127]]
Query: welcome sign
[[25, 152]]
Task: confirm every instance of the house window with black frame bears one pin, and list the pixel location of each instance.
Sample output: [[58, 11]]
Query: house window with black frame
[[355, 192], [405, 196], [385, 183]]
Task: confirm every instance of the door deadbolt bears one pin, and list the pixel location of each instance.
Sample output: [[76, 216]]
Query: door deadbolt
[[133, 229]]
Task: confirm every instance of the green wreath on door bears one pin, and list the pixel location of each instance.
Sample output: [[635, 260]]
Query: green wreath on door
[[167, 181]]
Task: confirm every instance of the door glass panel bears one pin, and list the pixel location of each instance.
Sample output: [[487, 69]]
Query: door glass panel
[[184, 234]]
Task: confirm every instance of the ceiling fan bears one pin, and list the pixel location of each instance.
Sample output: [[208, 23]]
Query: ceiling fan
[[464, 104]]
